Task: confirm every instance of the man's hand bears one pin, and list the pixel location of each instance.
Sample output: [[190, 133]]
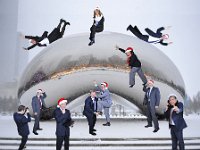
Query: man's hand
[[176, 108], [35, 114], [156, 107]]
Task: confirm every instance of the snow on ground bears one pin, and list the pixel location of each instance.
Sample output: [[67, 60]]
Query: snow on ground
[[120, 128]]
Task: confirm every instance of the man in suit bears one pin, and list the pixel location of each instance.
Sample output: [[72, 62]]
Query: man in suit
[[21, 118], [90, 111], [37, 105], [46, 39], [135, 66], [152, 101], [63, 122], [174, 113], [153, 37], [106, 102]]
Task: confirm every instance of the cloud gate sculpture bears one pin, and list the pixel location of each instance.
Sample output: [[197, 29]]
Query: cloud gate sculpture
[[68, 67]]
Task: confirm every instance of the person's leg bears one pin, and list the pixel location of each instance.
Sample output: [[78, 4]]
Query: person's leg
[[99, 106], [107, 114], [59, 142], [154, 118], [173, 138], [94, 121], [23, 142], [92, 33], [36, 124], [149, 118], [142, 76], [158, 32], [66, 143], [151, 33], [90, 123], [132, 76], [179, 135]]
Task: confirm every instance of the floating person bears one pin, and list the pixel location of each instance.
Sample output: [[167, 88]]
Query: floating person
[[174, 114], [46, 39], [90, 111], [152, 101], [38, 104], [21, 118], [153, 37], [105, 103], [98, 25], [135, 66], [63, 122]]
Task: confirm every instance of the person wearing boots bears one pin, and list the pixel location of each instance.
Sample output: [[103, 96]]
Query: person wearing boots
[[90, 111], [98, 25], [135, 66], [46, 39], [152, 101], [105, 103], [174, 114], [22, 118]]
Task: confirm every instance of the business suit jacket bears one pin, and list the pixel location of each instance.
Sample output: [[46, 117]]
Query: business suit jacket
[[154, 97], [36, 105], [62, 122], [89, 107], [100, 24], [22, 123], [177, 117]]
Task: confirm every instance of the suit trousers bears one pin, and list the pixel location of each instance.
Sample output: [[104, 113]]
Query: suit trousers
[[23, 142], [94, 29], [37, 122], [91, 122], [132, 73], [177, 137], [151, 116], [59, 142], [107, 114]]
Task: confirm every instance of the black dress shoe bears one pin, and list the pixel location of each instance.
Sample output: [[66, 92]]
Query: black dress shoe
[[107, 124], [40, 129], [128, 28], [35, 132], [91, 43], [92, 133], [156, 130], [130, 86], [94, 130], [147, 126]]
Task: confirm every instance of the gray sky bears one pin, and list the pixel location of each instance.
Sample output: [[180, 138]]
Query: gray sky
[[35, 16]]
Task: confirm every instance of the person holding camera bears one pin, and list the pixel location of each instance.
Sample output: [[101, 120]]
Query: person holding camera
[[90, 111], [63, 122], [152, 100], [37, 105], [174, 114], [21, 118]]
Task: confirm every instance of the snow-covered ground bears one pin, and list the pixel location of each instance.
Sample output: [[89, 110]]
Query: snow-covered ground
[[120, 128]]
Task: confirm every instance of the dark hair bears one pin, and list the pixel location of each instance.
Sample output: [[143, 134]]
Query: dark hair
[[91, 91], [21, 107]]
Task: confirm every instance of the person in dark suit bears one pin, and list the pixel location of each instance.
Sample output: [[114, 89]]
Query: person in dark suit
[[152, 101], [46, 39], [135, 66], [153, 37], [21, 118], [98, 25], [63, 122], [90, 111], [174, 114], [38, 104]]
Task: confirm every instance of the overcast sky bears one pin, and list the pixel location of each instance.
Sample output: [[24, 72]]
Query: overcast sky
[[35, 16]]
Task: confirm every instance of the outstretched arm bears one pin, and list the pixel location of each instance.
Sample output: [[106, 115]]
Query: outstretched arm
[[118, 48]]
